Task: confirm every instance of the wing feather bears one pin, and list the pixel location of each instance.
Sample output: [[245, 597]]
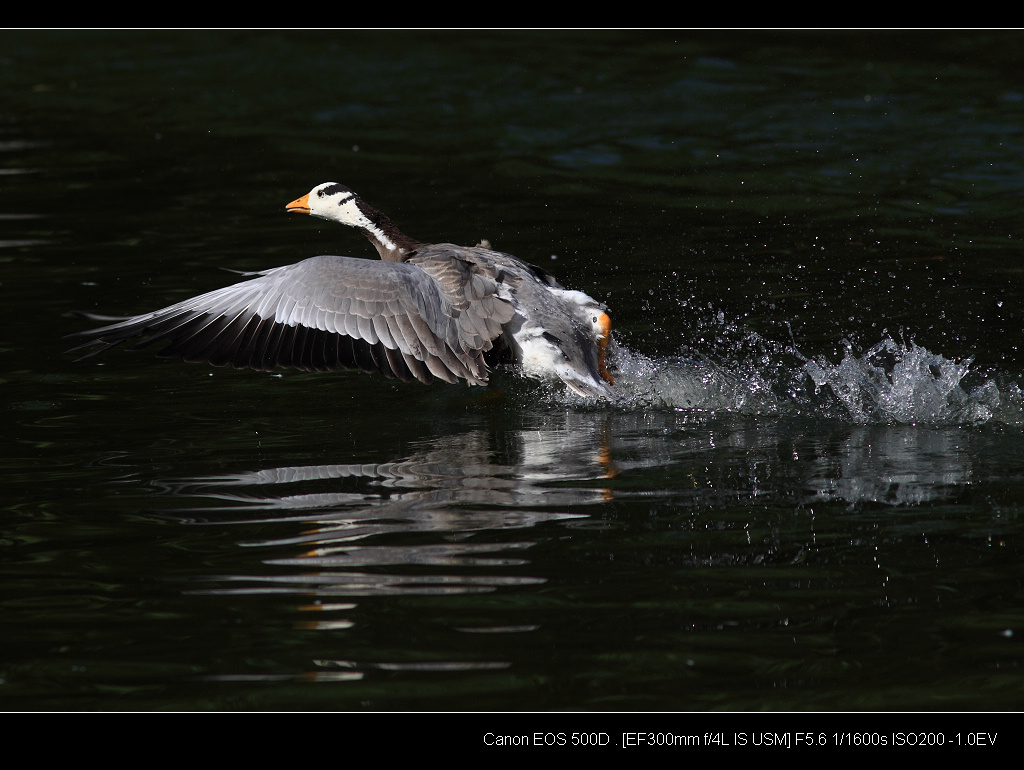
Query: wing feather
[[414, 320]]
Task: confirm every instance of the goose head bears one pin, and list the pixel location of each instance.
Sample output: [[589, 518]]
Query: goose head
[[338, 203]]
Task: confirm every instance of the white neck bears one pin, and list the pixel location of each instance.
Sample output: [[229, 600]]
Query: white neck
[[350, 213]]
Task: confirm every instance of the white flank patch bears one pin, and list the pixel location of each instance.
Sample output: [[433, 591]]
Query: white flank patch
[[539, 357]]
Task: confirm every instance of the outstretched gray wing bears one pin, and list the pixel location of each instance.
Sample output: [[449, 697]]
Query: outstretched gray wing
[[400, 319]]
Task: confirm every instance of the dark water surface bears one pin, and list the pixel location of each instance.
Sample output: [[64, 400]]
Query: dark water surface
[[807, 496]]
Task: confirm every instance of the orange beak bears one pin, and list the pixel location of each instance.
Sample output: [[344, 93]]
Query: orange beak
[[299, 205], [604, 323]]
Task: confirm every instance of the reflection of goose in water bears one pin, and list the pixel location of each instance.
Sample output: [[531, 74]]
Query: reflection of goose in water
[[433, 509], [450, 482], [422, 311], [460, 512]]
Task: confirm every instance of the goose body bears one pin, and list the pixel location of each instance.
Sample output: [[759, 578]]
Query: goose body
[[422, 311]]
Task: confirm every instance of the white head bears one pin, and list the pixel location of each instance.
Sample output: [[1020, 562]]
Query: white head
[[338, 203]]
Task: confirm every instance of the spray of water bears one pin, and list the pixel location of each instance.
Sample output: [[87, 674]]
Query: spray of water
[[894, 382]]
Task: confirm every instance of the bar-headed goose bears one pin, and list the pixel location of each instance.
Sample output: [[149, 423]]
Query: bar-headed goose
[[422, 311]]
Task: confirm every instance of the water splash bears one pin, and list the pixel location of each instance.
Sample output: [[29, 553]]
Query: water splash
[[893, 382], [901, 382], [689, 384]]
